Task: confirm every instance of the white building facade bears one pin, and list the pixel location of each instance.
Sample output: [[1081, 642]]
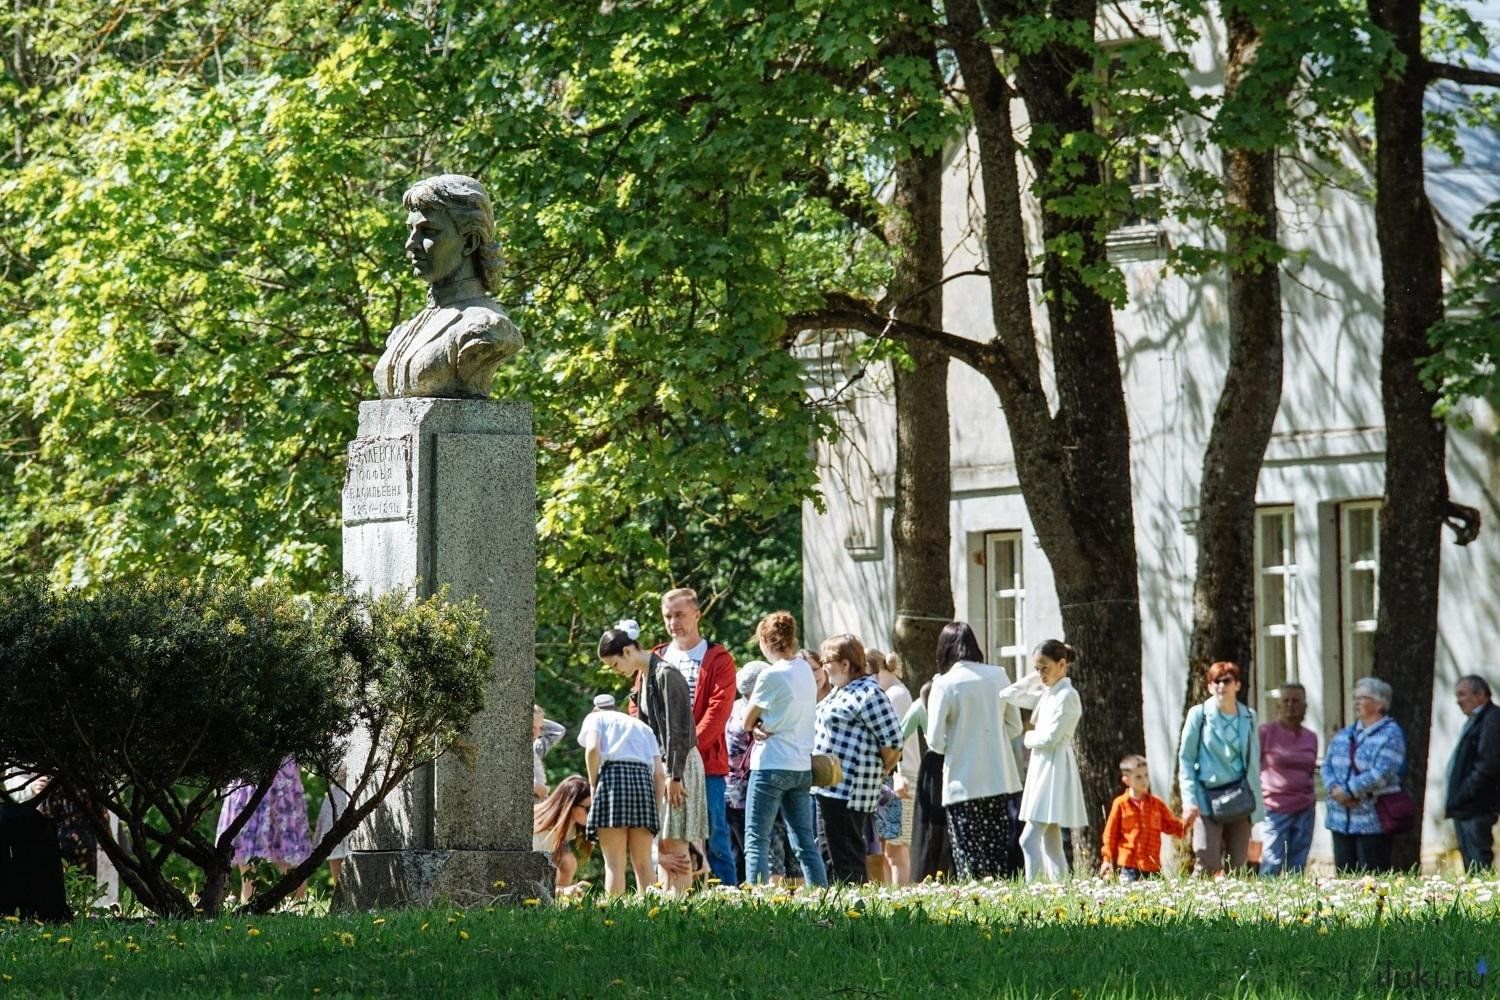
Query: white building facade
[[1318, 498]]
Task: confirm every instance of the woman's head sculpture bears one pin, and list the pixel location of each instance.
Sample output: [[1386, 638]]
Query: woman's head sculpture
[[452, 348], [468, 207]]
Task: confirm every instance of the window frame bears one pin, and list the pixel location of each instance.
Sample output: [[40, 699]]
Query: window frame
[[1286, 632], [1350, 627], [1013, 657], [1133, 236]]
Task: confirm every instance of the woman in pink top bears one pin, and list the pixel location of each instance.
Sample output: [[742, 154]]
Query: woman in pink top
[[1288, 755]]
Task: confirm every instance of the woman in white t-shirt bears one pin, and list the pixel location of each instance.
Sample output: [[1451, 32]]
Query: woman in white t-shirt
[[782, 720], [628, 780]]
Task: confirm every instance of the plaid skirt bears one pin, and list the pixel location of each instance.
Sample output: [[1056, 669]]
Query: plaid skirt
[[624, 797]]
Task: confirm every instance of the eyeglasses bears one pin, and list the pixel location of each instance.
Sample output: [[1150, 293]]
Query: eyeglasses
[[1221, 680]]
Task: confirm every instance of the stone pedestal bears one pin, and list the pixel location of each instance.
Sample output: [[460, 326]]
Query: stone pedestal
[[443, 491]]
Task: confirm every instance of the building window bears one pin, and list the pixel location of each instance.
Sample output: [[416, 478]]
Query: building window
[[1359, 570], [1275, 605], [1005, 601], [1128, 114]]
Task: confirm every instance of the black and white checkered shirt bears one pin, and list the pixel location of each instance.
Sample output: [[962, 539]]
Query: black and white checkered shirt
[[854, 722]]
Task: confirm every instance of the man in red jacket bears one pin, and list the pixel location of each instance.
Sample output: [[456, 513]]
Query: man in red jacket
[[709, 670]]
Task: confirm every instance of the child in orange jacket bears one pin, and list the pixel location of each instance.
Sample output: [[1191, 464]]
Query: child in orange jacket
[[1132, 835]]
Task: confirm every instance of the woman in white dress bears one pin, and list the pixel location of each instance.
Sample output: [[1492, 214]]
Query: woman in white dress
[[1053, 794]]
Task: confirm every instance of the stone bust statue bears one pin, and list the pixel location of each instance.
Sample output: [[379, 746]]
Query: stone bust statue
[[451, 348]]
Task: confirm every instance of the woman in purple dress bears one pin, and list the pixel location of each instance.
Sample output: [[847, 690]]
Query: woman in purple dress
[[278, 830]]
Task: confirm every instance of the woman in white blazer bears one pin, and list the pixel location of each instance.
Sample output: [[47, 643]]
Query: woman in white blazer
[[1053, 795], [969, 724]]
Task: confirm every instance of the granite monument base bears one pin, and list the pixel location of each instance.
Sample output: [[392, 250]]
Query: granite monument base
[[442, 492], [383, 879]]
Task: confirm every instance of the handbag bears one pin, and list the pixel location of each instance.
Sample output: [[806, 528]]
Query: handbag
[[1231, 801], [827, 770], [1227, 803], [1396, 810]]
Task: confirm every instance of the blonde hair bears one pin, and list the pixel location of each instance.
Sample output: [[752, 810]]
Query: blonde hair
[[678, 593]]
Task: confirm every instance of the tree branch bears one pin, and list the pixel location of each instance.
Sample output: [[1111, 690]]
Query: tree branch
[[1461, 74], [842, 311]]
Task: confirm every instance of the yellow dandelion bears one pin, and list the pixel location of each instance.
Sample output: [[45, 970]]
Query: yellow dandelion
[[253, 932], [64, 940], [346, 939], [853, 914], [652, 913], [1323, 930], [463, 935], [12, 919], [378, 921], [132, 947], [499, 883], [533, 901], [609, 923]]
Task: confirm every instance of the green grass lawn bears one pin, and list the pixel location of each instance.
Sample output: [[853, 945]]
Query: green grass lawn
[[1231, 938]]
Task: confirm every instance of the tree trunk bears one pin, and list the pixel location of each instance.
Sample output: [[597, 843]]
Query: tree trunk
[[1416, 483], [1224, 591], [920, 533], [1074, 466]]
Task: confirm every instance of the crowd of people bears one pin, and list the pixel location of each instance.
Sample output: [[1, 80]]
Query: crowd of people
[[819, 765], [814, 766]]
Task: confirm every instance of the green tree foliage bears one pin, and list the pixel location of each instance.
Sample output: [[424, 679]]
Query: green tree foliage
[[130, 696], [205, 256]]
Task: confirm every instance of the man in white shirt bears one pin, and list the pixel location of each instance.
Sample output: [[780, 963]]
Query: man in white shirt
[[709, 670]]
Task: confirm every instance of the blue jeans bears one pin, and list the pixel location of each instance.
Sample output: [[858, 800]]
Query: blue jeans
[[1476, 843], [720, 853], [791, 793], [1288, 839]]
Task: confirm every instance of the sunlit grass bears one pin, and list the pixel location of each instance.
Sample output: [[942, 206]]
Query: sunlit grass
[[1090, 938]]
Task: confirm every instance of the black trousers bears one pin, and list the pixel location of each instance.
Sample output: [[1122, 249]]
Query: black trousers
[[842, 831], [1361, 852], [931, 853]]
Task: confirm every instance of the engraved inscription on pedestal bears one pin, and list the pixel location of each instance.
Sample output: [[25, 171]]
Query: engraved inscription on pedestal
[[377, 486]]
